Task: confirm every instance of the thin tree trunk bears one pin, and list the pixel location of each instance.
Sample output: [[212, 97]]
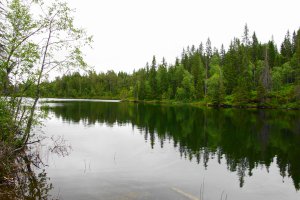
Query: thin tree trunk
[[33, 108]]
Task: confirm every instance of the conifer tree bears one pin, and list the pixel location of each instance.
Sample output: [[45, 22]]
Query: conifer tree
[[246, 40], [294, 43], [222, 54], [152, 79], [286, 47], [297, 56], [266, 75], [298, 47], [208, 54], [271, 53]]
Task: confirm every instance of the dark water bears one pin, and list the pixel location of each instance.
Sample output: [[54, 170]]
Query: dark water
[[137, 151]]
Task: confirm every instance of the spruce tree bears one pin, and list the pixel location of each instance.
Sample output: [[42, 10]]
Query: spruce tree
[[286, 47], [222, 54], [152, 79], [246, 40], [201, 49], [208, 54], [266, 74], [272, 53], [298, 48], [294, 43], [297, 56]]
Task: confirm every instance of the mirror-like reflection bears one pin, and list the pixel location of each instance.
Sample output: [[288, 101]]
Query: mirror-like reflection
[[27, 179], [246, 139], [25, 174]]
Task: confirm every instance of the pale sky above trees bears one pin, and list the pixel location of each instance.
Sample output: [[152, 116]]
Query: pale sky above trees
[[128, 33]]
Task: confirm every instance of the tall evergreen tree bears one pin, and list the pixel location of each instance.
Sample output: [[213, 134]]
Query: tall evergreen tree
[[152, 79], [272, 52], [266, 74], [255, 49], [246, 40], [197, 72], [162, 80], [208, 54], [254, 57], [222, 54], [286, 47], [201, 49], [297, 56], [294, 42]]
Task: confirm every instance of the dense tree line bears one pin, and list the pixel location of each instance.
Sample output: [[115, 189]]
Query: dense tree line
[[248, 72]]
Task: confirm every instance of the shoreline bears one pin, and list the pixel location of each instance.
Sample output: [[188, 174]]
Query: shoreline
[[210, 105], [173, 102]]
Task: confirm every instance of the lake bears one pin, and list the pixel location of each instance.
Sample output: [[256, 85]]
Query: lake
[[120, 150]]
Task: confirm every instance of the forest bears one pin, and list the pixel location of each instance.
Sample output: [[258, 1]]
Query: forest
[[39, 38], [248, 73]]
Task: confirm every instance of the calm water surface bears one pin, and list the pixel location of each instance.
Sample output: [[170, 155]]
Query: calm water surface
[[136, 151]]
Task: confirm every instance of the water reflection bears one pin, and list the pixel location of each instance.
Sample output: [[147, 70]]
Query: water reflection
[[27, 177], [247, 139], [28, 180]]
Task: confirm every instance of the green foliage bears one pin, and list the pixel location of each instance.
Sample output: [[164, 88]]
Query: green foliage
[[277, 78], [261, 93], [216, 89], [248, 73], [162, 81], [5, 123], [35, 39], [180, 94], [241, 92]]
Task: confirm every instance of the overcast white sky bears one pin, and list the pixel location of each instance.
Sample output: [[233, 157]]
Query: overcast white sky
[[127, 33]]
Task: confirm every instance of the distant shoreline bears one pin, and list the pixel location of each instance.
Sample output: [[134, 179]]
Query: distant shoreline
[[203, 104], [170, 102]]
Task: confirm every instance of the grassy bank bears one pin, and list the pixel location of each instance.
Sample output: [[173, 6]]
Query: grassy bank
[[273, 101], [227, 104]]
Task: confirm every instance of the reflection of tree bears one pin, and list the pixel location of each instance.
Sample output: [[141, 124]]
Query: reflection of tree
[[27, 182], [27, 179], [245, 138]]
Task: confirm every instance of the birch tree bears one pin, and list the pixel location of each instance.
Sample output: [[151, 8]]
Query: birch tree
[[39, 37]]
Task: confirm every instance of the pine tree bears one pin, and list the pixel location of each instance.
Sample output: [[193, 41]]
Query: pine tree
[[286, 47], [294, 43], [208, 49], [241, 91], [208, 54], [297, 55], [201, 49], [147, 71], [298, 47], [265, 78], [222, 54], [197, 72], [152, 79], [246, 40], [255, 49], [216, 87], [265, 81], [272, 53], [229, 68], [162, 79], [254, 57], [177, 62]]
